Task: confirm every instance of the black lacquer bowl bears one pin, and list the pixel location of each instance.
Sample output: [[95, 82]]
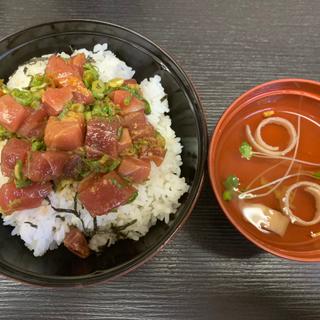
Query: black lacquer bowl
[[59, 267]]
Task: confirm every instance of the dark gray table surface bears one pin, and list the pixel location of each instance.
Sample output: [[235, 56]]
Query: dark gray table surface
[[209, 270]]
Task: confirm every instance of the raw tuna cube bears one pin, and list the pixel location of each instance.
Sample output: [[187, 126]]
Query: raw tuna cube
[[12, 113], [101, 193]]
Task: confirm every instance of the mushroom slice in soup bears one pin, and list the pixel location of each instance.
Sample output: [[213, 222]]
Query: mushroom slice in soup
[[265, 219]]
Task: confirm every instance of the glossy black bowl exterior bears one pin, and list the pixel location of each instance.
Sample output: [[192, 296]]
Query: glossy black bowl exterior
[[59, 267]]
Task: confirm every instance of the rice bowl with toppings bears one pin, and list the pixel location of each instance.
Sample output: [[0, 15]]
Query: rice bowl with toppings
[[46, 227]]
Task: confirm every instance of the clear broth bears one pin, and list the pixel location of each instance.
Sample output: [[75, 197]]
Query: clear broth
[[228, 161]]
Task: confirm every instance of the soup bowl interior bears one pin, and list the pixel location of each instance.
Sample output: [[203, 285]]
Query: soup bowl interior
[[60, 267], [287, 98]]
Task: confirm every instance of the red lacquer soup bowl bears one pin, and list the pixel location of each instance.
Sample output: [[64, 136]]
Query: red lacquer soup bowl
[[297, 101]]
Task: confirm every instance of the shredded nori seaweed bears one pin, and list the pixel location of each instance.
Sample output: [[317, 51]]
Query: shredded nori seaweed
[[164, 98], [60, 217], [62, 209], [31, 224], [118, 230], [95, 224], [73, 211], [75, 203], [125, 226]]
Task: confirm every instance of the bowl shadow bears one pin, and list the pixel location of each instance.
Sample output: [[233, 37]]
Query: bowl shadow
[[211, 229]]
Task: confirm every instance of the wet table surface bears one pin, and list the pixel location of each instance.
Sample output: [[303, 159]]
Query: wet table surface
[[209, 270]]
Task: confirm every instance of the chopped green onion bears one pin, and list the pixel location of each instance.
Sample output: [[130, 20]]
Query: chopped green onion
[[133, 197], [245, 150], [88, 115], [98, 88], [35, 104], [147, 107], [18, 170], [227, 195], [88, 78], [22, 96], [104, 159], [77, 107], [103, 165], [133, 91], [90, 74], [116, 82], [104, 108], [114, 165], [231, 182], [231, 185], [101, 111], [22, 183], [5, 134], [71, 108], [37, 95], [127, 100], [38, 80], [38, 145], [19, 179]]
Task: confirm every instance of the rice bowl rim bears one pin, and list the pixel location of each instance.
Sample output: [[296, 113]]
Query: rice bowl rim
[[193, 193]]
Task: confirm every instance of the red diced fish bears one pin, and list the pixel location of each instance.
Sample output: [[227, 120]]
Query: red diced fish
[[125, 141], [66, 134], [81, 94], [73, 167], [12, 113], [102, 137], [59, 69], [78, 61], [101, 193], [55, 99], [14, 150], [155, 154], [135, 169], [66, 74], [13, 198], [34, 124], [76, 242], [138, 125], [126, 101], [45, 166]]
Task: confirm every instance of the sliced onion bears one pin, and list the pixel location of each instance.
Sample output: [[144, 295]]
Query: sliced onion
[[259, 144], [314, 190]]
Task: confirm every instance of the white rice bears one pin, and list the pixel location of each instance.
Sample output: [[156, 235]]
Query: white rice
[[43, 228]]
